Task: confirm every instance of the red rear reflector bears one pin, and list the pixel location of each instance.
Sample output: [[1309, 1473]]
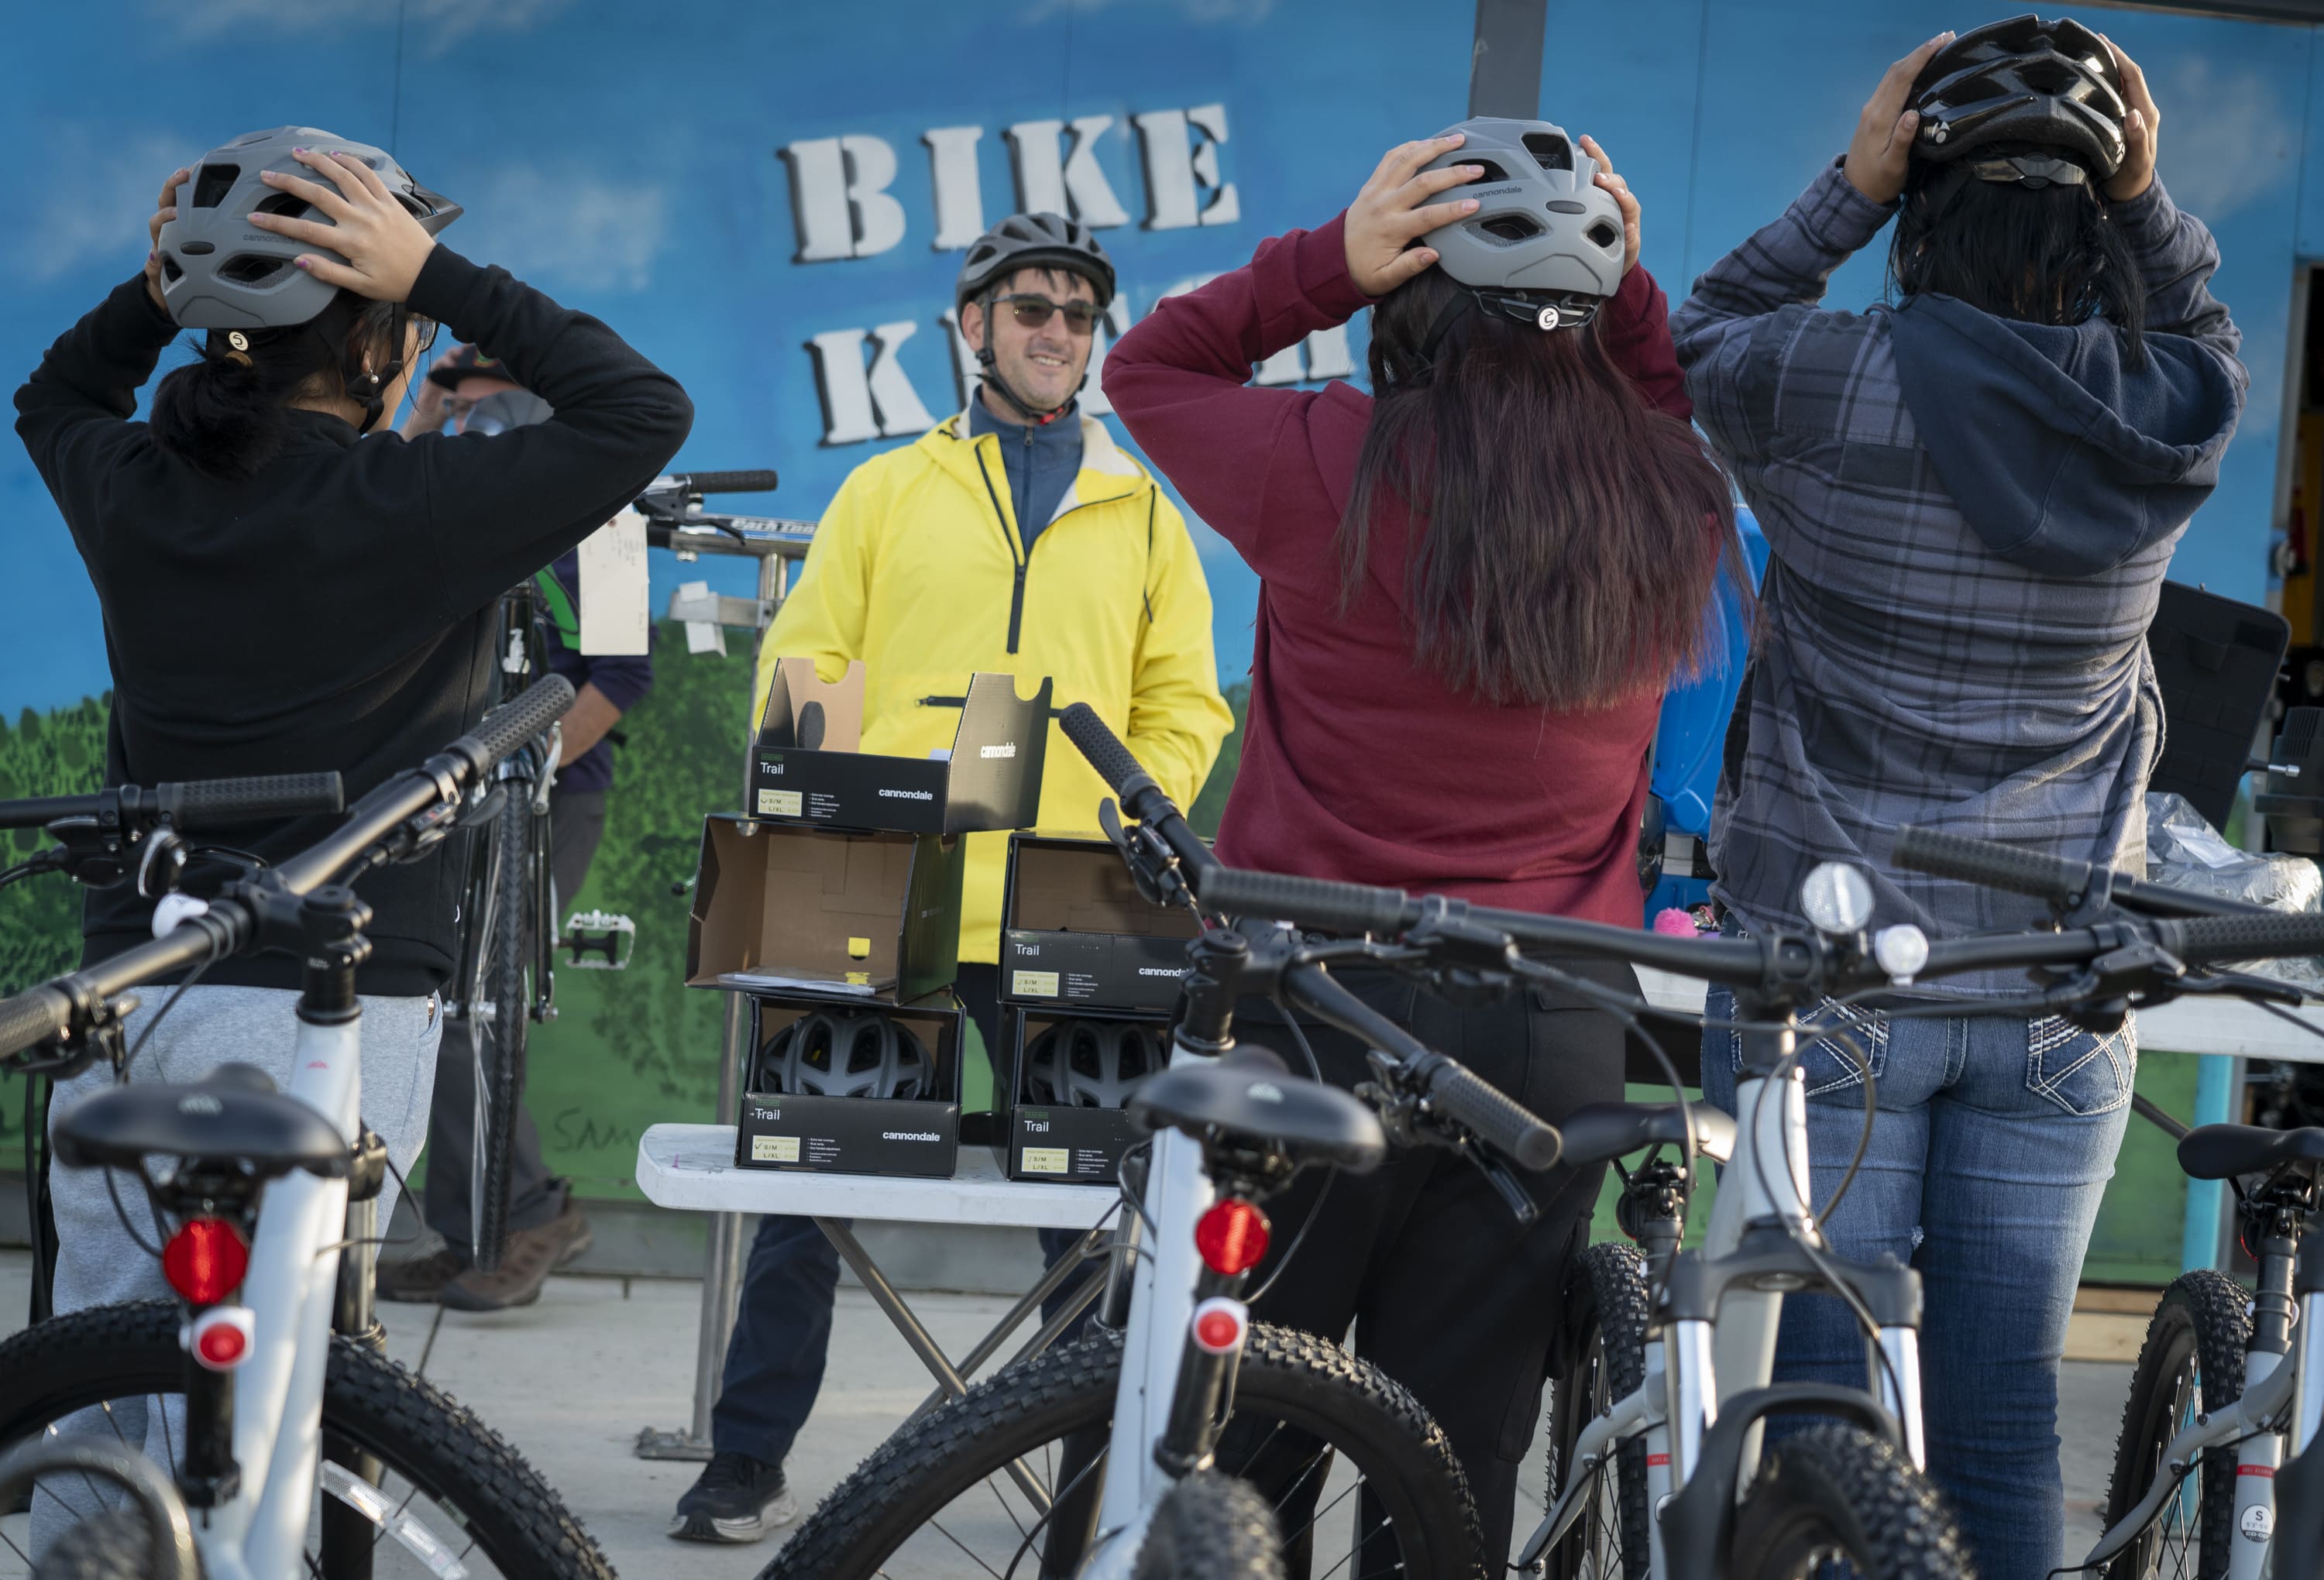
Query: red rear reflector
[[205, 1260], [1220, 1323], [222, 1344], [1232, 1237]]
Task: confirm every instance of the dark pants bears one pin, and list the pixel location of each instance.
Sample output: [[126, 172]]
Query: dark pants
[[1448, 1293], [577, 824], [782, 1322]]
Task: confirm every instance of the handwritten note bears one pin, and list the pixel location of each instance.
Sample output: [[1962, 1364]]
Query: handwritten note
[[615, 615]]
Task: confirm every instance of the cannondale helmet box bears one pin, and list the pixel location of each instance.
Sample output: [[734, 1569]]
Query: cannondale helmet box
[[809, 766], [847, 942], [1090, 971]]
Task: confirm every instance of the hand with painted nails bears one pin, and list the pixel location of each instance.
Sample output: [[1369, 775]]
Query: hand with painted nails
[[165, 212], [382, 246], [1882, 149], [2140, 129], [1620, 190], [1394, 210]]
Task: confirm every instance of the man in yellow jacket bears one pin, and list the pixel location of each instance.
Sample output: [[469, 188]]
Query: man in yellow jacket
[[1013, 538]]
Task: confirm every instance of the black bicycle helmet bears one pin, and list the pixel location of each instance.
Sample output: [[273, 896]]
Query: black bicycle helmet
[[1094, 1064], [844, 1053], [1545, 243], [1034, 241], [219, 271], [2040, 100]]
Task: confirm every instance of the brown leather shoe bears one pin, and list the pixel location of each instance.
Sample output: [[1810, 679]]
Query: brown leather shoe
[[419, 1280], [533, 1255]]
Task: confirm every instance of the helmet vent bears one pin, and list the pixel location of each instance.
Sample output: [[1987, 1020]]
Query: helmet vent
[[1603, 234], [1551, 153], [171, 270], [283, 204], [252, 269], [1512, 227], [1488, 170], [214, 182]]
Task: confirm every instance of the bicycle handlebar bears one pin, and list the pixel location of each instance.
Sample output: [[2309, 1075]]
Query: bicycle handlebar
[[508, 726], [2063, 883], [33, 1016], [711, 482], [1140, 795], [1496, 1120], [188, 804]]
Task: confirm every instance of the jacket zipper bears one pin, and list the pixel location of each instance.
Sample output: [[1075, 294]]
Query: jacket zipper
[[1015, 555]]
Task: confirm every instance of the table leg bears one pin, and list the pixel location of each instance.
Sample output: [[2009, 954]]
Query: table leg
[[922, 1342], [990, 1345], [2218, 1080]]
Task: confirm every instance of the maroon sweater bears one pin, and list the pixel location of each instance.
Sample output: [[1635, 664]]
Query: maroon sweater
[[1357, 762]]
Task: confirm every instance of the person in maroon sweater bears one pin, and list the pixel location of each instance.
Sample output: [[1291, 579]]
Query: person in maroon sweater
[[1475, 583]]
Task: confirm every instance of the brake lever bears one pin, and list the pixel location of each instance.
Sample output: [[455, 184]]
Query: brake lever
[[1153, 865], [1407, 1121]]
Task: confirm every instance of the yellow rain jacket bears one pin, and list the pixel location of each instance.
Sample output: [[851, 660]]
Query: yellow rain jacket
[[919, 570]]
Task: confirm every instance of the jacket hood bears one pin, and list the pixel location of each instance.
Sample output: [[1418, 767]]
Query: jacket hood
[[2061, 458]]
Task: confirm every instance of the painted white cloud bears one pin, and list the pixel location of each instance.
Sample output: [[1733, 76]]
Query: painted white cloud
[[2224, 132], [98, 190], [436, 24], [562, 227]]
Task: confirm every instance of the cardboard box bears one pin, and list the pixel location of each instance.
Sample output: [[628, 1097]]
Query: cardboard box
[[1063, 1143], [808, 767], [779, 908], [1075, 933], [859, 1135]]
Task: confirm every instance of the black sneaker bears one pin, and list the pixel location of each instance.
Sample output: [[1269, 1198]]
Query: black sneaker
[[735, 1499], [420, 1279]]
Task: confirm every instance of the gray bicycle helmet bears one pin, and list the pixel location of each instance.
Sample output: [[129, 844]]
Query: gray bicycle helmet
[[845, 1053], [218, 272], [2040, 101], [1094, 1064], [1545, 241], [1034, 241]]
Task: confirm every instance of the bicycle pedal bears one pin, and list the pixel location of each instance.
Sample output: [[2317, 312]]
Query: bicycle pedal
[[599, 941]]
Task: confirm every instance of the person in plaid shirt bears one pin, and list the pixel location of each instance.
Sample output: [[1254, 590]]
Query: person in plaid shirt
[[1971, 497]]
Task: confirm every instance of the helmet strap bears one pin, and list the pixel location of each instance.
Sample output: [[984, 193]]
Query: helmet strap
[[1457, 306], [371, 388]]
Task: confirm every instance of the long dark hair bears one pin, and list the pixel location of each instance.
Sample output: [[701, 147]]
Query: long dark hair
[[2041, 255], [228, 416], [1566, 535]]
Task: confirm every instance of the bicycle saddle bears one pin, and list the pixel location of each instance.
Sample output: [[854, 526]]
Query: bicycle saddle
[[234, 1113], [1607, 1130], [1250, 1094], [2222, 1151]]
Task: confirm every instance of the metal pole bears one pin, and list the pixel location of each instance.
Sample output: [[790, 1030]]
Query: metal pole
[[1505, 61]]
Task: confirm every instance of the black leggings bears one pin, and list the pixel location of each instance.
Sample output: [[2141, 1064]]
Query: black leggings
[[1447, 1292]]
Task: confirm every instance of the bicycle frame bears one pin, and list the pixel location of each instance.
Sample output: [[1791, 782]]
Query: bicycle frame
[[1710, 1354]]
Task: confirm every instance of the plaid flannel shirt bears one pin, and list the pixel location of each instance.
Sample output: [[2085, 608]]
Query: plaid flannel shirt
[[1904, 673]]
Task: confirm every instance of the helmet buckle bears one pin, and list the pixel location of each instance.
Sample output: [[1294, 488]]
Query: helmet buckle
[[1547, 318]]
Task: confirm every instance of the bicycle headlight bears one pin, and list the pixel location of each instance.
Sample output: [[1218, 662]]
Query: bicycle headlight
[[1838, 898]]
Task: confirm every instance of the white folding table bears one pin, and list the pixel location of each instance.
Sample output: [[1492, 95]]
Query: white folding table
[[691, 1167]]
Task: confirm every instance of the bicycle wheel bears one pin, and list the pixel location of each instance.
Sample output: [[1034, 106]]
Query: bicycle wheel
[[1603, 1359], [1834, 1502], [450, 1487], [2192, 1360], [1212, 1527], [112, 1549], [942, 1486], [500, 1023]]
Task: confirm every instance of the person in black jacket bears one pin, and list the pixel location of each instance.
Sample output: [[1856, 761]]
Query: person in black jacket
[[288, 586]]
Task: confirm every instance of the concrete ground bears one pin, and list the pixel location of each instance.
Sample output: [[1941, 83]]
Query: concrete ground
[[571, 1380]]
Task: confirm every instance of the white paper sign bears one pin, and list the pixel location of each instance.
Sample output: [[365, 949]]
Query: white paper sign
[[698, 606], [615, 619]]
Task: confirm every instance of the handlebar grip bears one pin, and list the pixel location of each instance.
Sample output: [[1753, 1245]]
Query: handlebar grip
[[203, 803], [1499, 1120], [1311, 902], [1994, 866], [711, 482], [1104, 751], [512, 723], [32, 1016], [2275, 936]]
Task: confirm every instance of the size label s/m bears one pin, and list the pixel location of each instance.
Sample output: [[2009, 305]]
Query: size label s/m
[[780, 802], [1034, 984], [1043, 1159], [774, 1149]]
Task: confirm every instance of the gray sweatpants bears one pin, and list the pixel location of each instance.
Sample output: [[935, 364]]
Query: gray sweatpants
[[97, 1262]]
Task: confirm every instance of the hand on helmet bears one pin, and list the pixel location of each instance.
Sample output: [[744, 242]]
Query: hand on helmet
[[2140, 129], [1882, 148], [1394, 210], [385, 247], [1619, 189], [163, 213]]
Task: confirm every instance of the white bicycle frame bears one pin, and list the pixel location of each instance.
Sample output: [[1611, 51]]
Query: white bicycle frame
[[2276, 1388], [1693, 1367]]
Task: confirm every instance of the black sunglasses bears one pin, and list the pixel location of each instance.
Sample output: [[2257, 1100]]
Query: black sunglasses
[[1032, 311]]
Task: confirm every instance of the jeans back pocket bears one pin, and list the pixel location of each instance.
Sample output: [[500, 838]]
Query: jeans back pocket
[[2083, 1072], [1837, 1041]]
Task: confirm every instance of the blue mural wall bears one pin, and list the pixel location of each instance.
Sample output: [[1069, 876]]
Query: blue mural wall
[[673, 168]]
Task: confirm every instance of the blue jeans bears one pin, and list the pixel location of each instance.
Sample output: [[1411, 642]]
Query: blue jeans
[[1993, 1143]]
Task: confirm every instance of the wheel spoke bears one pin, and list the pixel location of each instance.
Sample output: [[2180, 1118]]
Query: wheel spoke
[[938, 1526], [1317, 1518]]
